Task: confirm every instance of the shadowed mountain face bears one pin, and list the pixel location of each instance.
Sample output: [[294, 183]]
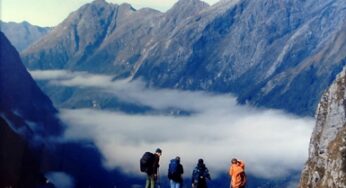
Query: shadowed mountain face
[[279, 54], [22, 103], [27, 122], [22, 34], [19, 165], [31, 143], [326, 166]]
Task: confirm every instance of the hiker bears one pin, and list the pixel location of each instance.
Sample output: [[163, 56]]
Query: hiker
[[237, 173], [175, 171], [200, 175], [149, 164]]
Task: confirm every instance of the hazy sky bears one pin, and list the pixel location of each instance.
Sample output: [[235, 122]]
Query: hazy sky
[[218, 130], [52, 12]]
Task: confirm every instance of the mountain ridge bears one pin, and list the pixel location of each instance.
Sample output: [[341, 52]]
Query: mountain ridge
[[262, 52], [23, 34]]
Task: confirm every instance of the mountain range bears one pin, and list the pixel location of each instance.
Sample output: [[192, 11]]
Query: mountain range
[[23, 34], [262, 51], [278, 54]]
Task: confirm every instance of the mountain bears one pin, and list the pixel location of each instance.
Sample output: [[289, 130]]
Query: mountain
[[19, 162], [326, 166], [266, 52], [27, 122], [263, 51], [22, 103], [31, 143], [23, 34], [91, 38]]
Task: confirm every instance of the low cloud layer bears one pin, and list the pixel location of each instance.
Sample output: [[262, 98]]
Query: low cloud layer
[[268, 140], [60, 179]]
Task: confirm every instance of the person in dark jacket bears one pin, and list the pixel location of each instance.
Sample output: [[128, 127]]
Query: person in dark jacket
[[200, 175], [175, 171], [152, 173]]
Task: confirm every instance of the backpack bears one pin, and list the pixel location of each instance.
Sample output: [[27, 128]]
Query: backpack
[[147, 161], [243, 174], [173, 170], [243, 178], [200, 174]]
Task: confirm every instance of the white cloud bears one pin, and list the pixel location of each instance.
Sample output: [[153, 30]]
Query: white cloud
[[268, 140], [49, 74], [68, 78], [60, 179]]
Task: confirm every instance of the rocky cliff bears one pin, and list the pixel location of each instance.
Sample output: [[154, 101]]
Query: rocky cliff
[[28, 123], [326, 166], [22, 103], [30, 135]]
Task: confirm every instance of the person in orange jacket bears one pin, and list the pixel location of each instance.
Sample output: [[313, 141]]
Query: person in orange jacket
[[237, 174]]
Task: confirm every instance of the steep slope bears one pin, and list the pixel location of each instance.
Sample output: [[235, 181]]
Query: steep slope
[[21, 101], [326, 166], [19, 165], [30, 135], [27, 122], [23, 34], [92, 38], [106, 38], [263, 51]]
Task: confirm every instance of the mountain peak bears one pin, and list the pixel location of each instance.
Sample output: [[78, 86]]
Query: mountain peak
[[194, 3], [185, 8], [126, 6], [99, 1], [95, 3]]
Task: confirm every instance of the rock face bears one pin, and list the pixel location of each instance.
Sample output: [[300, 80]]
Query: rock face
[[23, 34], [326, 166], [19, 165], [262, 51], [27, 122], [96, 37], [22, 103], [28, 128]]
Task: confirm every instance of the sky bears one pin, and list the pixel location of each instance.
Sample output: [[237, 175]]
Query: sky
[[219, 129], [53, 12]]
